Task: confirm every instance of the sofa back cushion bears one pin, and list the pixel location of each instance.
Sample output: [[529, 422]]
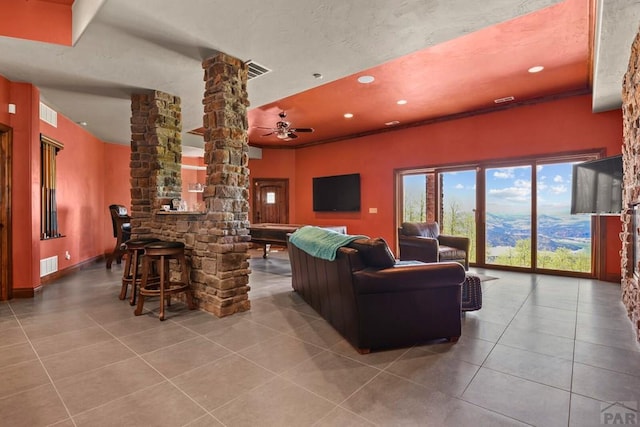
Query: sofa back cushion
[[374, 252], [423, 229]]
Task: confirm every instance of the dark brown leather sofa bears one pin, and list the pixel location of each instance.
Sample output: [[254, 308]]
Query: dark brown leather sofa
[[375, 306]]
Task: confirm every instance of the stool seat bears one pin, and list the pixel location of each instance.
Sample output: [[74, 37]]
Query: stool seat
[[161, 253], [164, 245], [131, 274]]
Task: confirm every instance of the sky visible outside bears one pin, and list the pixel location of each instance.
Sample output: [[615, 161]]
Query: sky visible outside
[[508, 189]]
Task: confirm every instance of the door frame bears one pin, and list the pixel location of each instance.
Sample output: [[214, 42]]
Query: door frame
[[255, 183], [6, 273]]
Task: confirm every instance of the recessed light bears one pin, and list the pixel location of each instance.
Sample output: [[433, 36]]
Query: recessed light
[[536, 69], [82, 123], [401, 101], [348, 115], [366, 79], [505, 99], [317, 75], [392, 123]]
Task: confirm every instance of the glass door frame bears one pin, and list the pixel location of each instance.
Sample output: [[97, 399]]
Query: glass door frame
[[480, 216]]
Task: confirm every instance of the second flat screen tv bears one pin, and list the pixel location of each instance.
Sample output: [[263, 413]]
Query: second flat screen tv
[[597, 186], [339, 193]]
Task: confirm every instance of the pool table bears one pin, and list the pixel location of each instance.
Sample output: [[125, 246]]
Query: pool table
[[268, 234]]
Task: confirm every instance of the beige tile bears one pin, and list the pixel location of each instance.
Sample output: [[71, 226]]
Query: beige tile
[[378, 359], [624, 339], [548, 370], [205, 421], [435, 371], [284, 319], [85, 359], [46, 326], [318, 333], [16, 353], [221, 381], [39, 406], [390, 400], [185, 356], [165, 335], [132, 325], [467, 348], [276, 403], [586, 412], [159, 405], [12, 336], [605, 385], [475, 327], [518, 398], [70, 340], [21, 376], [240, 335], [343, 418], [545, 326], [90, 389], [615, 359], [331, 376], [551, 345], [280, 353]]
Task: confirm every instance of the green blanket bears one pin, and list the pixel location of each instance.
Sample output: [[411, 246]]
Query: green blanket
[[320, 242]]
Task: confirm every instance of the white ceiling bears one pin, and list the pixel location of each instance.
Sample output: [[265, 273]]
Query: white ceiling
[[129, 46]]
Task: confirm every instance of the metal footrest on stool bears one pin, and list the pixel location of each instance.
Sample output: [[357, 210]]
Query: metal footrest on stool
[[162, 252], [132, 272]]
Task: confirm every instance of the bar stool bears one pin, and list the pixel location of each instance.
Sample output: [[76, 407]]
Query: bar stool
[[162, 252], [132, 272]]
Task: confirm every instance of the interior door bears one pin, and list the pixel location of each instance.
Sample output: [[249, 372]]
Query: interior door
[[270, 200], [5, 213]]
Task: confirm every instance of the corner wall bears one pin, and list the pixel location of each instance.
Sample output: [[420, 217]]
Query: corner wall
[[631, 185]]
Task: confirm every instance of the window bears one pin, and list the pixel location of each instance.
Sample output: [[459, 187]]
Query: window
[[48, 209]]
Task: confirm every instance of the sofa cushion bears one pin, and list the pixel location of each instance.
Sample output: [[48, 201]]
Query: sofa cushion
[[374, 252], [447, 253], [423, 229]]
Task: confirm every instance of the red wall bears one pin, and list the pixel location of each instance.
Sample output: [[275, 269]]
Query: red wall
[[36, 20], [560, 126], [117, 187], [84, 167]]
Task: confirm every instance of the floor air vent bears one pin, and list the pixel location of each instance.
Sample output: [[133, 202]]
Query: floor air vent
[[256, 70]]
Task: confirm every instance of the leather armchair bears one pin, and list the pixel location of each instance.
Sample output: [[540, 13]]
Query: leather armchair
[[422, 241]]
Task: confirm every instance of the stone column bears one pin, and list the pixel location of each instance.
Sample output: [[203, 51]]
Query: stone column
[[156, 156], [631, 183], [222, 284]]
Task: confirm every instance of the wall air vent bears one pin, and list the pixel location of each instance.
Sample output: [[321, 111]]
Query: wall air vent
[[48, 115], [503, 100], [256, 70]]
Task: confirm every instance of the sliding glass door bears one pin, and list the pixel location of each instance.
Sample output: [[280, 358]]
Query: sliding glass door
[[516, 215], [508, 216]]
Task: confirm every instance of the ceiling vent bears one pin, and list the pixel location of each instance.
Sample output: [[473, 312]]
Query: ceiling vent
[[503, 100], [48, 115], [256, 70]]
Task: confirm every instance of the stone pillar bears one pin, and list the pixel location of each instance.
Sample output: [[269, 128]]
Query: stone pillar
[[222, 286], [631, 183], [156, 156]]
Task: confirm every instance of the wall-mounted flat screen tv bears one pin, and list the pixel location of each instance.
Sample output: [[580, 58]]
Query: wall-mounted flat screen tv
[[597, 186], [339, 193]]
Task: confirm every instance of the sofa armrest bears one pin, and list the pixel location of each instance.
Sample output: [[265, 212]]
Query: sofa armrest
[[457, 242], [406, 278], [418, 248]]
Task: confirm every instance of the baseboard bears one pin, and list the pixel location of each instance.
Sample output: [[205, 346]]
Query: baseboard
[[69, 270], [25, 292]]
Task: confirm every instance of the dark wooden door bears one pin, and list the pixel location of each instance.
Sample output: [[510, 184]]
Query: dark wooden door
[[270, 200], [5, 213]]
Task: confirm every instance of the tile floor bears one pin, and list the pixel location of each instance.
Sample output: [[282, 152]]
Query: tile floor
[[544, 351]]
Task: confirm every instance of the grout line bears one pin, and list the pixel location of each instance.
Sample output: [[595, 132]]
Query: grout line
[[55, 388]]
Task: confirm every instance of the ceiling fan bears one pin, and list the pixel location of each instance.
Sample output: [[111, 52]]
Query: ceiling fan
[[283, 129]]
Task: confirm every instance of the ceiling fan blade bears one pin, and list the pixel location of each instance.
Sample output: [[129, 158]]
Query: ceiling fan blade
[[261, 127], [267, 134], [302, 130], [292, 135]]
